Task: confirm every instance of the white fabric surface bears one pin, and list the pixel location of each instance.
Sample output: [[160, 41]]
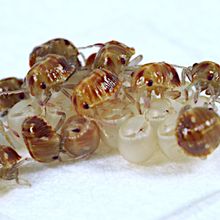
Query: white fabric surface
[[106, 186]]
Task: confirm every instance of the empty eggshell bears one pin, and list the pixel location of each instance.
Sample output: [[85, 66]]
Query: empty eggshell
[[136, 141]]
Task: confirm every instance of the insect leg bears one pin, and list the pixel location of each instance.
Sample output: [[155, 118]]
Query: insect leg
[[127, 91], [62, 115], [67, 94], [135, 61], [173, 94], [5, 134], [91, 46], [61, 121], [83, 57]]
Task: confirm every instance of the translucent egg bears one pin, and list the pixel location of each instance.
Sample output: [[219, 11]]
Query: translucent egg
[[136, 140]]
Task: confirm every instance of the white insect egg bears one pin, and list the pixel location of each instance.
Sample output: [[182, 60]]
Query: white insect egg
[[136, 141], [113, 114], [168, 142]]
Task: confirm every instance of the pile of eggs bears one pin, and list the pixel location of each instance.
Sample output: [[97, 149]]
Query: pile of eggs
[[68, 103]]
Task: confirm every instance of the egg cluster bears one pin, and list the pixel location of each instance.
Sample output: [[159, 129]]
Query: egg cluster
[[68, 103]]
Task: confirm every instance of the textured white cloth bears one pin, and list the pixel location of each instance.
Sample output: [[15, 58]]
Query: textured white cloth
[[106, 186]]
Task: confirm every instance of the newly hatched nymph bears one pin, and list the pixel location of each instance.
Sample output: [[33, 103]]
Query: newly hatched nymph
[[58, 46], [113, 56], [158, 77], [47, 75], [197, 131], [10, 93], [10, 161], [80, 137], [100, 86], [42, 141], [205, 76]]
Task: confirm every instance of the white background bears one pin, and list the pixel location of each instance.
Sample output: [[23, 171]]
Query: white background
[[106, 186]]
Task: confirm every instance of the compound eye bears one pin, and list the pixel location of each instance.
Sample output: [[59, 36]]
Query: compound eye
[[85, 105], [210, 76], [43, 85], [150, 82], [123, 60]]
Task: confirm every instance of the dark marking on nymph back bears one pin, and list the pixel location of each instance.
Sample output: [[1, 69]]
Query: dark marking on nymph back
[[76, 130], [31, 81], [139, 74], [55, 157]]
